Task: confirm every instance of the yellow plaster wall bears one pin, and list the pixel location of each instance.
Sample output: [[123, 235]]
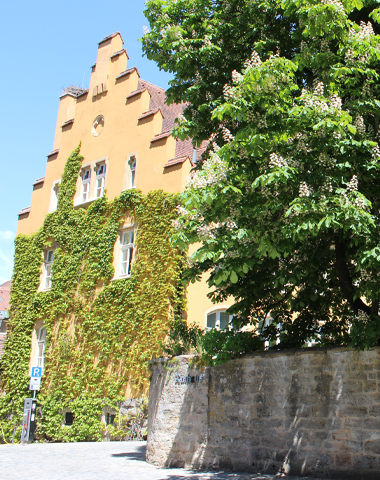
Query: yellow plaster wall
[[123, 135]]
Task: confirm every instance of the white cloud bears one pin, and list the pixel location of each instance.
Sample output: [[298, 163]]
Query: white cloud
[[6, 255]]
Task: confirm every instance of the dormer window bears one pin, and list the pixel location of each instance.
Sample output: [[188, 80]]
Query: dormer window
[[132, 164], [49, 258], [86, 180], [100, 179]]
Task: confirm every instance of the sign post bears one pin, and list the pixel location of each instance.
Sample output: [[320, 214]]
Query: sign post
[[29, 415], [28, 420]]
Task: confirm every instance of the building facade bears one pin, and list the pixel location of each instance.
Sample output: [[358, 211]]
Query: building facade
[[96, 280]]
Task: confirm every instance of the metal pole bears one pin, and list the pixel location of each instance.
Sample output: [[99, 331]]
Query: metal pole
[[14, 431]]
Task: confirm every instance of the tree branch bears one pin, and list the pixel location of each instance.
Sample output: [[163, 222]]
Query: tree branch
[[345, 279]]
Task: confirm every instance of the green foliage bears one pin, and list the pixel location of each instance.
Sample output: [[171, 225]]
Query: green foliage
[[219, 346], [100, 333], [182, 338], [286, 201]]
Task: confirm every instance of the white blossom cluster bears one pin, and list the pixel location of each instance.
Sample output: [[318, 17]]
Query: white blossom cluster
[[325, 45], [227, 135], [336, 102], [337, 4], [359, 124], [236, 76], [360, 202], [337, 135], [256, 117], [176, 224], [366, 31], [326, 161], [365, 276], [213, 172], [366, 90], [253, 62], [318, 89], [207, 41], [353, 184], [362, 316], [304, 190], [376, 152], [228, 92], [181, 210], [206, 231], [146, 30], [327, 186], [277, 161]]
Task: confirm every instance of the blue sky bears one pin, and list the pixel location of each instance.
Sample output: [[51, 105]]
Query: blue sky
[[46, 47]]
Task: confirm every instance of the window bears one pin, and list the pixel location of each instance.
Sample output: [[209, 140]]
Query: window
[[132, 165], [69, 418], [109, 418], [127, 247], [86, 179], [100, 179], [49, 257], [218, 319], [41, 340]]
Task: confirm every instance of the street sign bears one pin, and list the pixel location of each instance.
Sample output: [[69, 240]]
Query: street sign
[[36, 372], [35, 383]]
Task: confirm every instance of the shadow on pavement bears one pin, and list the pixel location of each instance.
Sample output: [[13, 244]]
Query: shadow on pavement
[[137, 455]]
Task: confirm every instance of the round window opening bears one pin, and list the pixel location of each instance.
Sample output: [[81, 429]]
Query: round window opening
[[97, 126]]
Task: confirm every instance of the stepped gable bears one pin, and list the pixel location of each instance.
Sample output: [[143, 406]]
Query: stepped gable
[[184, 148]]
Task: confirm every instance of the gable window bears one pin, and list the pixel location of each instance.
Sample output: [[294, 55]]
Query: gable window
[[41, 340], [49, 258], [127, 247], [218, 319], [132, 165], [100, 179], [86, 180]]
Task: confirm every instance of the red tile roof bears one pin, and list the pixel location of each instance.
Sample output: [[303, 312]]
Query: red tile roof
[[176, 161], [120, 52], [54, 152], [24, 210], [108, 37], [5, 289], [150, 112], [160, 136], [127, 72], [39, 180], [136, 92]]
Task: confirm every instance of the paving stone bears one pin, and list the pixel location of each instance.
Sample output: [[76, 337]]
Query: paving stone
[[100, 461]]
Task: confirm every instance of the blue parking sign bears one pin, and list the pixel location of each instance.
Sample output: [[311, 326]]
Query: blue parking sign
[[36, 372]]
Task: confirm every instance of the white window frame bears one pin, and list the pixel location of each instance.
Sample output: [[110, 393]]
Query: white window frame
[[125, 264], [100, 179], [41, 343], [53, 204], [217, 312], [48, 263], [132, 167], [86, 185]]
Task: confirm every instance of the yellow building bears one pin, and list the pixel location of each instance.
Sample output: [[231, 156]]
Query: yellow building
[[124, 129]]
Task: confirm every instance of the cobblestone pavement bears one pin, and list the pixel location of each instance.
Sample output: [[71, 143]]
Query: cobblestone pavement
[[99, 461]]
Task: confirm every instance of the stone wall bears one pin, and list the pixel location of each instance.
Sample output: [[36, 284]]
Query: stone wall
[[302, 412]]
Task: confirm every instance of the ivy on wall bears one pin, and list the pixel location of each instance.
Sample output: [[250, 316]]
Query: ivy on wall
[[100, 333]]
